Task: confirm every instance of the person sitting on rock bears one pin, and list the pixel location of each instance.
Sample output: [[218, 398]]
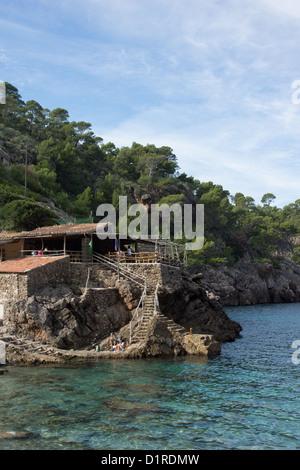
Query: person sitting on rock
[[120, 346], [113, 341]]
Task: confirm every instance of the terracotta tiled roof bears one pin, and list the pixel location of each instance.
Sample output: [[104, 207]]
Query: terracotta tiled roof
[[23, 265], [63, 229], [68, 229], [8, 237]]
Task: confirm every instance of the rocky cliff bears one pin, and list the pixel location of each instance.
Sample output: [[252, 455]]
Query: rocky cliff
[[69, 318], [253, 283], [188, 302], [65, 319]]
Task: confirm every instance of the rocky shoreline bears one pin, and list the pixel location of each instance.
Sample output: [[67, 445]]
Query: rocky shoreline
[[190, 321], [69, 319], [253, 283]]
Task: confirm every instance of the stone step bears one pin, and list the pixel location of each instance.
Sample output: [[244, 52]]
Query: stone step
[[141, 331]]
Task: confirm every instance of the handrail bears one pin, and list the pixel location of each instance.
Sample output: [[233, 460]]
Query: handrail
[[129, 275], [121, 270], [136, 313], [156, 301]]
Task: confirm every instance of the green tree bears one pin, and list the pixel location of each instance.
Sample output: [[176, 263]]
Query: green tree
[[83, 203], [25, 215], [268, 198]]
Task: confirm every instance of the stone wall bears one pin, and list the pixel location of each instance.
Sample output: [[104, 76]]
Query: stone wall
[[12, 287], [97, 275], [52, 274], [155, 273], [17, 287]]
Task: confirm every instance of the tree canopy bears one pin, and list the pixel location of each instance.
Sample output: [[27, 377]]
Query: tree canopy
[[65, 162]]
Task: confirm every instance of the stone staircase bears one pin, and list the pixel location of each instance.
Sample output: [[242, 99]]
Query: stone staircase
[[140, 332], [171, 325]]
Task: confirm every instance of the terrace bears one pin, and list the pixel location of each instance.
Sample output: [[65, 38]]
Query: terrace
[[81, 243]]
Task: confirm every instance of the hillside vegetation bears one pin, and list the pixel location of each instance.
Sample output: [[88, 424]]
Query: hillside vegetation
[[60, 168]]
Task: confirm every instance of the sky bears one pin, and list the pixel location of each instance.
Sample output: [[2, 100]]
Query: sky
[[218, 81]]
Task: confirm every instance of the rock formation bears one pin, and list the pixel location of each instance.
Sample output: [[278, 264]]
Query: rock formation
[[78, 319], [64, 319], [254, 283], [188, 303]]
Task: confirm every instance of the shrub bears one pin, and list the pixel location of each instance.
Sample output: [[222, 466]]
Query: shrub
[[25, 215], [7, 195]]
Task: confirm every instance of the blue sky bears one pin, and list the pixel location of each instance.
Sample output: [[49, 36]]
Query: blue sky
[[210, 79]]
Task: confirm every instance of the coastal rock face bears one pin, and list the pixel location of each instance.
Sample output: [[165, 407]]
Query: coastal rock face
[[63, 319], [251, 284], [188, 303], [80, 318]]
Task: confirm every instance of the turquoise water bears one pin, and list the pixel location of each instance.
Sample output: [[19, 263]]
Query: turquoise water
[[245, 399]]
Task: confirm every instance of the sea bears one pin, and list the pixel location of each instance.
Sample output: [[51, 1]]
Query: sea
[[245, 399]]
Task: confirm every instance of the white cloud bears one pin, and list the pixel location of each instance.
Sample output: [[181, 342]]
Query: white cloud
[[210, 79], [288, 7]]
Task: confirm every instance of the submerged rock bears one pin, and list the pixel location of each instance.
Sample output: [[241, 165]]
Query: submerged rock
[[134, 408], [16, 435]]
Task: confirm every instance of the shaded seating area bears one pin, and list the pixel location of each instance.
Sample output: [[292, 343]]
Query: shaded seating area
[[81, 243]]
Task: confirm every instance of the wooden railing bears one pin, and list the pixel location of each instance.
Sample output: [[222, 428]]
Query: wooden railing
[[142, 257], [136, 278], [75, 256], [114, 257]]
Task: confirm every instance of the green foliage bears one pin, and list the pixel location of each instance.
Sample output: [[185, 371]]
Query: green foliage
[[62, 200], [172, 199], [83, 203], [24, 215], [7, 195], [268, 198], [209, 254]]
